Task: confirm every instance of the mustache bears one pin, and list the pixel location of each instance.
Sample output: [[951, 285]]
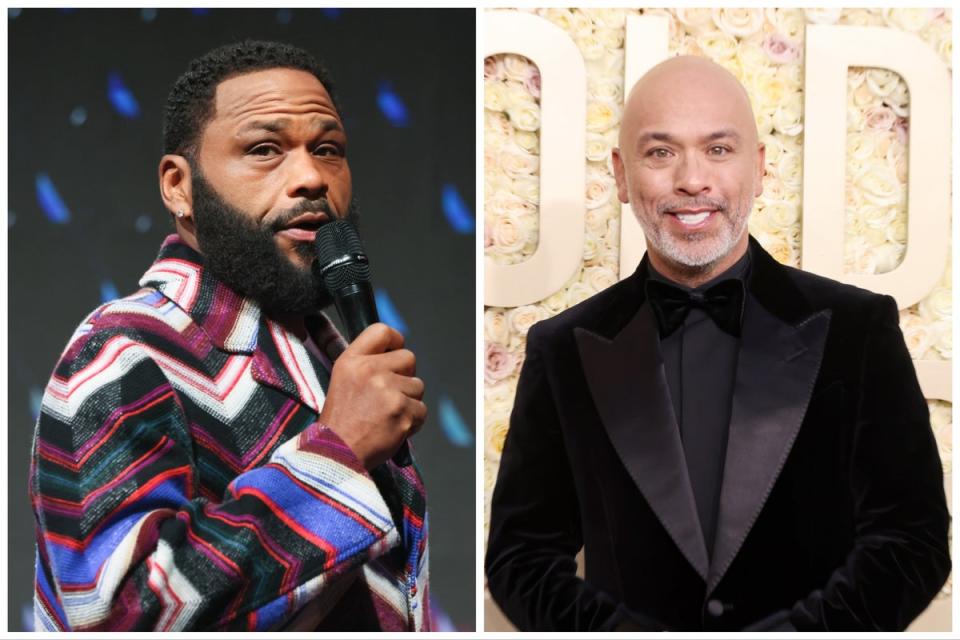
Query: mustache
[[320, 205], [696, 203]]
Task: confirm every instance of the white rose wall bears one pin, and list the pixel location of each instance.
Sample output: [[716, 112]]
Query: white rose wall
[[871, 207]]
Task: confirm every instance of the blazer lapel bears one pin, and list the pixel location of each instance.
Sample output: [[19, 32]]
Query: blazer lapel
[[282, 361], [776, 370], [629, 388]]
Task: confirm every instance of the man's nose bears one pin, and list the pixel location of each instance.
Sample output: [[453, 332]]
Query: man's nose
[[306, 177], [692, 176]]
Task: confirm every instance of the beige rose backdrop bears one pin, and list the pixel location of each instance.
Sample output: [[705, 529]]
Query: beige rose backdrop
[[764, 49]]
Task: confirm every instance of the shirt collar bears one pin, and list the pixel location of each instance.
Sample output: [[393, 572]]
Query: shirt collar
[[231, 321]]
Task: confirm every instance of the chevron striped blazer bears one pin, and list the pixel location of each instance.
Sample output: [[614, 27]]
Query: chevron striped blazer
[[180, 479]]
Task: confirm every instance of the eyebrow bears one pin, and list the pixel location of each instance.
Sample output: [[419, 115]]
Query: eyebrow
[[666, 137], [278, 125]]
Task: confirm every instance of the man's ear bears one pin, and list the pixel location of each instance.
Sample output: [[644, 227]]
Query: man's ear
[[176, 190], [623, 193], [761, 169], [176, 184]]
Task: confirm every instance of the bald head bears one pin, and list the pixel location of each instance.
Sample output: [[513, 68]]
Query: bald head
[[684, 85], [689, 164]]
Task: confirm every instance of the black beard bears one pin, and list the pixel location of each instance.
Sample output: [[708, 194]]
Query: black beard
[[245, 256]]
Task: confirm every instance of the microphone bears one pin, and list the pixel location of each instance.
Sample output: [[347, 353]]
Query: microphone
[[345, 269]]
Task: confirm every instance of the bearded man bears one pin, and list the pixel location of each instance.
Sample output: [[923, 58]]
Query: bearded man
[[733, 443], [210, 454]]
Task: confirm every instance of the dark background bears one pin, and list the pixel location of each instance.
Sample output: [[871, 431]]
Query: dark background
[[85, 220]]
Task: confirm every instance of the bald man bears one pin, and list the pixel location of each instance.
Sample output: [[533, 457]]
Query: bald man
[[734, 444]]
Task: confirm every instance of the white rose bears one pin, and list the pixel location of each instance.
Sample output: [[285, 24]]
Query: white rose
[[494, 95], [578, 292], [886, 256], [861, 146], [495, 327], [752, 55], [610, 39], [861, 18], [738, 22], [598, 147], [527, 187], [879, 184], [609, 18], [522, 318], [918, 335], [516, 67], [822, 16], [773, 147], [591, 48], [781, 214], [604, 89], [856, 121], [718, 46], [602, 116], [789, 23], [764, 119], [899, 99], [516, 162], [938, 305], [876, 217], [497, 123], [773, 188], [525, 116], [517, 94], [788, 118], [695, 20], [509, 233], [897, 231], [881, 81], [600, 189], [771, 92], [599, 278], [495, 429], [563, 18], [529, 141], [504, 202], [596, 219], [790, 170], [557, 301], [778, 247], [908, 19]]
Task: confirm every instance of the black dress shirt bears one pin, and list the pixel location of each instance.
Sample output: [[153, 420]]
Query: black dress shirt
[[700, 361]]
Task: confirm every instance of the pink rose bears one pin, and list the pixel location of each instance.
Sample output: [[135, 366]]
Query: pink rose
[[780, 49], [493, 68], [902, 128], [532, 82], [880, 118], [499, 363]]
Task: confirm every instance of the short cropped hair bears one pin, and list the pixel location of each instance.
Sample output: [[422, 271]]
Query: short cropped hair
[[190, 103]]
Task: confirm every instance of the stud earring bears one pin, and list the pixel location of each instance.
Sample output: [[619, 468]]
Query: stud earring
[[179, 213]]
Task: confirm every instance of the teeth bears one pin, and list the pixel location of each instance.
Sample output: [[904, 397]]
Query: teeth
[[693, 218]]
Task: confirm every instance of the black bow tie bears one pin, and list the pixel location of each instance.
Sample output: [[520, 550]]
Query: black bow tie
[[723, 302]]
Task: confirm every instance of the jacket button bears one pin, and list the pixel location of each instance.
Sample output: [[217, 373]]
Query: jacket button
[[715, 608]]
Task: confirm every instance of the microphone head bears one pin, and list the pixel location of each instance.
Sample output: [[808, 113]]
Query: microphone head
[[341, 259]]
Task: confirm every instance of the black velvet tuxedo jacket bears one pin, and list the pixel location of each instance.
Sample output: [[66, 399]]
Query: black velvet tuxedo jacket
[[832, 508]]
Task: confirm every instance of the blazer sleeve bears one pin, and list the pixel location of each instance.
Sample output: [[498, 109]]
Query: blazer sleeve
[[900, 558], [535, 521], [126, 542]]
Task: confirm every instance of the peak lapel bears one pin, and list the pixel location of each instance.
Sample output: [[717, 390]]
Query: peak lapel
[[776, 370], [296, 375], [629, 388]]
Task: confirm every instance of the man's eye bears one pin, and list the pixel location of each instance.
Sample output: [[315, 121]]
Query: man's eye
[[328, 149], [658, 153], [264, 150], [719, 150]]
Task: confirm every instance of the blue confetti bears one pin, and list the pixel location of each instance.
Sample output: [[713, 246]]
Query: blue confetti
[[392, 106], [143, 223], [121, 98], [78, 116], [13, 14], [36, 400], [108, 291], [453, 425], [457, 212], [148, 15], [388, 312], [284, 16], [199, 11], [11, 218], [331, 13], [50, 201]]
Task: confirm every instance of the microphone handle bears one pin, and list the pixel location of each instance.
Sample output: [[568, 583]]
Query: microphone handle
[[358, 310]]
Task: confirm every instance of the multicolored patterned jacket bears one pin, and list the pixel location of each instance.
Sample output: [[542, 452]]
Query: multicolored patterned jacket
[[180, 479]]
